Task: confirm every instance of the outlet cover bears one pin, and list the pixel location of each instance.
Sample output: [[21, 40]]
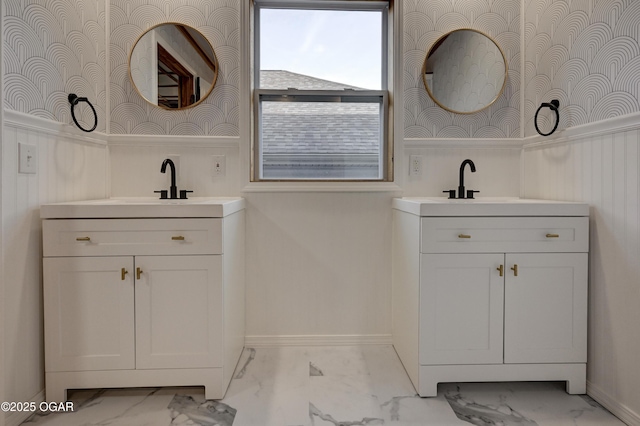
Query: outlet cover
[[28, 158], [415, 165]]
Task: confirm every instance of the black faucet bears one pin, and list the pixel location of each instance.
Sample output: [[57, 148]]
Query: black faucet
[[461, 191], [173, 189]]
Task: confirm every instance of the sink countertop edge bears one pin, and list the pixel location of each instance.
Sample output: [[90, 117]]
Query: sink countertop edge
[[510, 206], [111, 208]]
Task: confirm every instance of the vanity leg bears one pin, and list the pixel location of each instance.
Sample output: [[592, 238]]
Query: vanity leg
[[577, 381], [55, 392], [427, 388]]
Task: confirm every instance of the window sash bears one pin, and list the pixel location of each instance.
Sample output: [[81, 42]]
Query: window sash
[[347, 5], [379, 97], [347, 95]]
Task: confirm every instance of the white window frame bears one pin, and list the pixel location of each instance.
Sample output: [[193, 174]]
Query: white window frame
[[294, 95]]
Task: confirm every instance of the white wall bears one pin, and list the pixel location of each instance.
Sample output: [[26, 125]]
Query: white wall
[[70, 166], [587, 55], [319, 267], [497, 167], [602, 170]]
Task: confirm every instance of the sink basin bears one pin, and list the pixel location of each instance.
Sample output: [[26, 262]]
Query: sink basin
[[489, 206], [132, 207]]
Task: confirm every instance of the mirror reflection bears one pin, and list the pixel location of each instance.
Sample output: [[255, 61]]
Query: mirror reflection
[[173, 66], [465, 71]]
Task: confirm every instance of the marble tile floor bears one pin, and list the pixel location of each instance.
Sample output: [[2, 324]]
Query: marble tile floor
[[333, 386]]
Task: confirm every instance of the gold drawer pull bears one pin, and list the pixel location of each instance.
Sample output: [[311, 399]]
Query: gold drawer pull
[[553, 235], [83, 239], [501, 269], [515, 270], [138, 273], [178, 238], [123, 272], [464, 236]]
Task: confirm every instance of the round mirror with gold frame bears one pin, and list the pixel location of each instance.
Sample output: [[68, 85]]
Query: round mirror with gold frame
[[173, 66], [465, 71]]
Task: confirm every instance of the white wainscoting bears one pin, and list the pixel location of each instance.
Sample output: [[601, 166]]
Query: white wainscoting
[[135, 165], [70, 166], [598, 164], [497, 166]]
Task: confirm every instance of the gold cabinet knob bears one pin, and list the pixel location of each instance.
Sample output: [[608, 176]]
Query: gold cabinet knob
[[464, 236], [178, 238], [123, 272], [553, 235], [83, 239], [515, 270], [501, 270], [138, 273]]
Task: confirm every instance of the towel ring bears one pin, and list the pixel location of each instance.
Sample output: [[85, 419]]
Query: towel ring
[[553, 106], [74, 100]]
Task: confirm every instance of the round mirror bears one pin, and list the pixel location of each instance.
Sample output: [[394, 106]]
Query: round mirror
[[173, 66], [465, 71]]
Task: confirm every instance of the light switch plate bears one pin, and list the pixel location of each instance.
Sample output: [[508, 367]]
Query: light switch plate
[[219, 166], [28, 158]]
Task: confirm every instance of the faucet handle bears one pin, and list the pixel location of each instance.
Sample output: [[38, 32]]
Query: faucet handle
[[183, 194], [470, 193], [163, 194], [452, 193]]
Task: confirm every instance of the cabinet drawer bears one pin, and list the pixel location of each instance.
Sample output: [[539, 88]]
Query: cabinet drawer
[[110, 237], [504, 234]]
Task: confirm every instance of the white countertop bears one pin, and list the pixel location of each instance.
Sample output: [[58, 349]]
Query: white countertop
[[488, 206], [140, 207]]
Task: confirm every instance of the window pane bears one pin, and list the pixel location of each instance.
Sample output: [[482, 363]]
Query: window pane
[[320, 140], [343, 47]]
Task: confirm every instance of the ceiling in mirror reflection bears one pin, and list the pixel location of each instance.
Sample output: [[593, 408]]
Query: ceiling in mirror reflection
[[464, 71], [173, 66]]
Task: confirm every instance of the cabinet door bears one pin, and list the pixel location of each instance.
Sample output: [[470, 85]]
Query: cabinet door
[[179, 312], [461, 309], [546, 308], [89, 313]]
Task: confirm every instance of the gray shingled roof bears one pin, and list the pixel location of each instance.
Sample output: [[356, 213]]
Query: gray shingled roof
[[283, 80], [316, 128], [313, 135]]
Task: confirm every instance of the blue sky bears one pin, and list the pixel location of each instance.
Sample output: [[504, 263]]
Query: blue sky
[[341, 46]]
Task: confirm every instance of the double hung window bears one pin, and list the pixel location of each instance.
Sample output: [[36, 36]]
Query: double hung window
[[321, 101]]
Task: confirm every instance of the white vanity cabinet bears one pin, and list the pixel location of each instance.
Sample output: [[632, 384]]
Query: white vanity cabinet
[[137, 302], [491, 298]]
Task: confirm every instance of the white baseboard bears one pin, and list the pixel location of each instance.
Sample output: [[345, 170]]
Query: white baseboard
[[15, 418], [317, 340], [619, 410]]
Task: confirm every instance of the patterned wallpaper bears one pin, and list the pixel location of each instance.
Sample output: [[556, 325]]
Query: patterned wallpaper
[[584, 53], [53, 48], [424, 22], [219, 22]]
